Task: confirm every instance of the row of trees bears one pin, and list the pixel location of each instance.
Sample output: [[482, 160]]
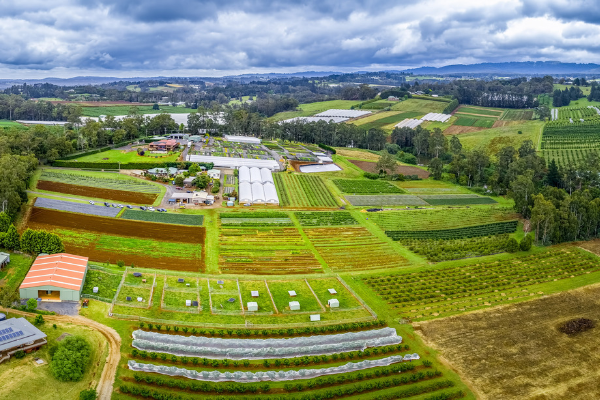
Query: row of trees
[[562, 98], [31, 241]]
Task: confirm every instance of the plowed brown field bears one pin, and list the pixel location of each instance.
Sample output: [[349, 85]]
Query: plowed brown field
[[404, 170], [99, 193]]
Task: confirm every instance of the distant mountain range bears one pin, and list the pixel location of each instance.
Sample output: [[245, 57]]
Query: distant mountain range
[[510, 68], [527, 68]]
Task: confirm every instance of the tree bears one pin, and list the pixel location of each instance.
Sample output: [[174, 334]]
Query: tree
[[155, 106], [202, 181], [88, 394], [8, 297], [386, 163], [39, 319], [542, 218], [71, 359], [521, 191], [553, 174], [4, 222], [526, 243], [512, 246], [421, 142], [31, 304], [11, 240], [179, 180], [437, 143], [436, 168], [526, 149], [194, 169], [455, 145]]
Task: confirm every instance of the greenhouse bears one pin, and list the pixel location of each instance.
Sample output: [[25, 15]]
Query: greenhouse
[[244, 174], [255, 176], [245, 192], [267, 176], [258, 193], [271, 193]]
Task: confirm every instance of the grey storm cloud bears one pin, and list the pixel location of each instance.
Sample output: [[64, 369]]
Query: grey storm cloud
[[197, 35]]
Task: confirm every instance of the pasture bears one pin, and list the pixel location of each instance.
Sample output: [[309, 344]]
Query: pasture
[[532, 359], [492, 140], [127, 156], [420, 106], [106, 282], [306, 110]]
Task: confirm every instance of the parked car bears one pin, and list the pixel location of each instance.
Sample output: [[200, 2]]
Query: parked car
[[142, 208], [178, 188], [189, 191], [120, 205], [106, 204], [91, 202], [150, 208], [114, 205], [128, 206]]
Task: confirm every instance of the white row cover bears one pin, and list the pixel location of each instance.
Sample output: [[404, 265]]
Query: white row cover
[[436, 117], [273, 376], [409, 123], [343, 113], [335, 120], [233, 162]]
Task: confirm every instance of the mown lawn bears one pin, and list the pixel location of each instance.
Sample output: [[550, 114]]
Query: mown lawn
[[127, 157], [492, 140]]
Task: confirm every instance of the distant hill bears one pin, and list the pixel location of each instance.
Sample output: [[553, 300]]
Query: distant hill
[[510, 68]]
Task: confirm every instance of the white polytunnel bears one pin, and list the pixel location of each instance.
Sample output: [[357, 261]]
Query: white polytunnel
[[266, 175], [255, 176], [245, 192], [258, 193], [270, 193], [244, 174]]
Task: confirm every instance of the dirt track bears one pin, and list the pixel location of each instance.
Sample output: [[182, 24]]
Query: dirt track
[[105, 385]]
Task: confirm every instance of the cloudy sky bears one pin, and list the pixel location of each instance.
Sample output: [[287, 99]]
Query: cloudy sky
[[125, 38]]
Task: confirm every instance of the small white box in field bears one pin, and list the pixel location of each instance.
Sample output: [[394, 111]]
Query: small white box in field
[[294, 306], [95, 289], [333, 303], [316, 317], [292, 293], [188, 303], [252, 306], [254, 293], [332, 291]]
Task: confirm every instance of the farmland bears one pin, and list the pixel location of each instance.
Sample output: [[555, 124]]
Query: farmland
[[91, 111], [516, 115], [325, 218], [530, 357], [164, 218], [126, 156], [106, 282], [384, 120], [265, 251], [436, 250], [306, 110], [303, 191], [353, 249], [386, 200], [496, 228], [369, 166], [421, 106], [456, 199], [107, 239], [98, 193], [366, 186], [464, 287]]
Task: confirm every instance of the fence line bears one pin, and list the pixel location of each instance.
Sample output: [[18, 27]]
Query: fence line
[[360, 300]]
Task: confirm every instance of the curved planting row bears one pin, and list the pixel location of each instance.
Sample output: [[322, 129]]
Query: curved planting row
[[496, 228], [274, 376]]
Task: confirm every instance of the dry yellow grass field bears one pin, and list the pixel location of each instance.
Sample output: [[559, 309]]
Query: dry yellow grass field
[[517, 352]]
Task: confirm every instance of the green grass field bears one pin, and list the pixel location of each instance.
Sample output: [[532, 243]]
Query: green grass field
[[321, 286], [13, 274], [124, 110], [492, 140], [106, 283], [127, 157], [279, 291], [263, 300], [11, 124], [421, 106], [585, 89], [306, 110]]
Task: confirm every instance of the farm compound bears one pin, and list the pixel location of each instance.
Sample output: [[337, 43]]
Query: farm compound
[[55, 277]]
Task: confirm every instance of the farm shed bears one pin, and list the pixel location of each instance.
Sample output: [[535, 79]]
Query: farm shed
[[4, 259], [270, 193], [245, 192], [188, 181], [214, 173], [315, 317], [241, 139], [255, 176], [55, 277], [266, 175], [183, 197], [252, 306], [244, 174], [234, 162], [294, 306], [258, 193], [19, 334]]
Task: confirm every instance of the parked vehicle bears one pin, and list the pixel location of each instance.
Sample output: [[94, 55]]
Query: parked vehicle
[[178, 188], [150, 208], [91, 202], [106, 204], [120, 205], [128, 206], [189, 191], [142, 208]]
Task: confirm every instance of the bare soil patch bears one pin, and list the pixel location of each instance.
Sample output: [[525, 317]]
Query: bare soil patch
[[369, 166], [501, 123], [357, 154], [88, 191], [576, 326], [456, 129], [517, 352]]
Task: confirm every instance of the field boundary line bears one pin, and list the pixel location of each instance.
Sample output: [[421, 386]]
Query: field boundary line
[[237, 281], [209, 296], [150, 302], [162, 297], [357, 297], [271, 296], [315, 295], [110, 310]]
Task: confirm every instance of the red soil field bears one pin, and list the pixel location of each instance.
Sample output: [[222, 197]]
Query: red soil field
[[369, 166], [88, 191]]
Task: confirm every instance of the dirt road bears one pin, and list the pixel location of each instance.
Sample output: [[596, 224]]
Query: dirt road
[[105, 385]]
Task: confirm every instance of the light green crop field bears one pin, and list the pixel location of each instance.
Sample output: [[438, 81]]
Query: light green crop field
[[309, 109], [127, 157], [492, 140], [420, 106], [10, 124], [124, 110]]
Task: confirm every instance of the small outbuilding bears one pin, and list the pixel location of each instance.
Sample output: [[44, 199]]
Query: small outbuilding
[[254, 293], [252, 306], [294, 306], [333, 303], [214, 173], [4, 259], [315, 317], [332, 291], [292, 293]]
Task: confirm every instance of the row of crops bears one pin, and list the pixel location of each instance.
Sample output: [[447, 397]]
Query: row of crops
[[255, 219], [164, 218], [568, 157], [439, 218], [496, 228], [325, 218], [303, 191], [130, 185], [366, 186], [456, 249], [442, 291], [576, 113]]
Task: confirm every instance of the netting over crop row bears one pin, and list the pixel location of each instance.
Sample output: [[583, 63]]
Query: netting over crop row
[[218, 343], [239, 376]]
